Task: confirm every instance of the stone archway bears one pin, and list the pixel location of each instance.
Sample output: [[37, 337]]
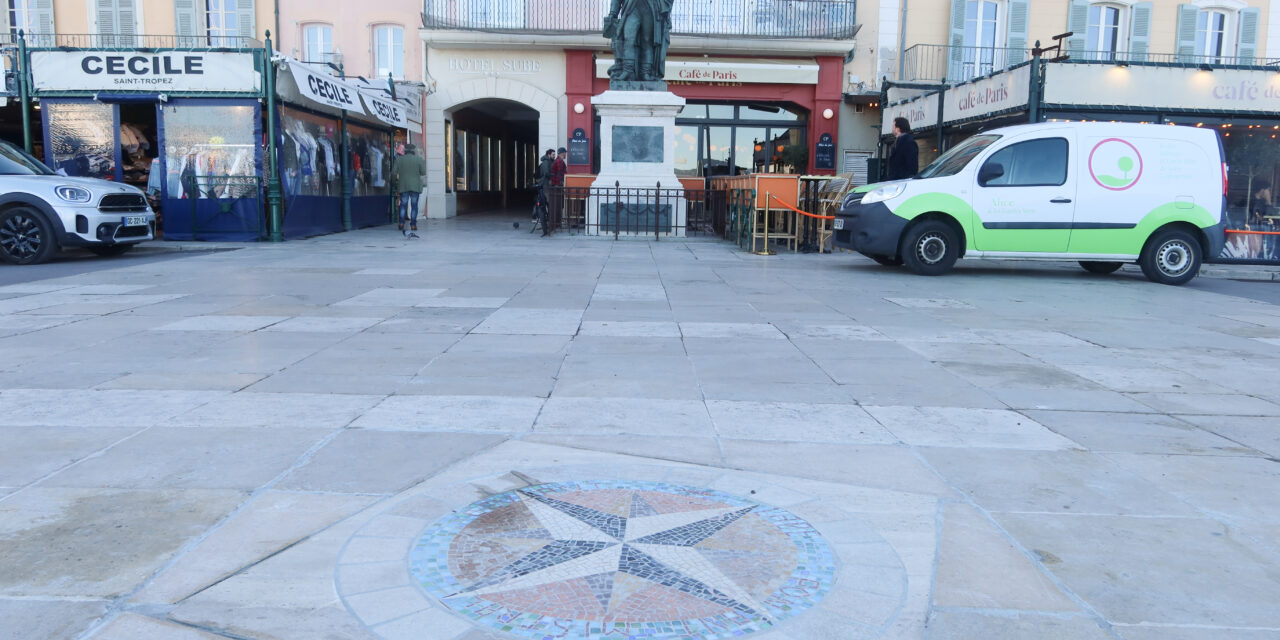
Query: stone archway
[[439, 203]]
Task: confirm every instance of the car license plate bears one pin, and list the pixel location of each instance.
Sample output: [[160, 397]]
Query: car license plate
[[134, 221], [839, 224]]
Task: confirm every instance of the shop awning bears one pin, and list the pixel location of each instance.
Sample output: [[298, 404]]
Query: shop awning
[[319, 88]]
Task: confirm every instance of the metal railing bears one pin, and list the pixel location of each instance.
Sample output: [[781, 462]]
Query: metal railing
[[820, 19], [944, 64], [620, 211], [131, 41]]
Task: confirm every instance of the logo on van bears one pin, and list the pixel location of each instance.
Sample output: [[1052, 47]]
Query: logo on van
[[1115, 164]]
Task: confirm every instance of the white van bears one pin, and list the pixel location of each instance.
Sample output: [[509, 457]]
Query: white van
[[1102, 194]]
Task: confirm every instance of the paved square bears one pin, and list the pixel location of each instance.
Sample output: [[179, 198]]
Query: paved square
[[498, 435]]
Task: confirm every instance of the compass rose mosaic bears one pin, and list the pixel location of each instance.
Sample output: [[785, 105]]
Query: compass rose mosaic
[[595, 560]]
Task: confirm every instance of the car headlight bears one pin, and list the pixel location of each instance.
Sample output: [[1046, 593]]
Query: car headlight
[[887, 192], [73, 194], [851, 199]]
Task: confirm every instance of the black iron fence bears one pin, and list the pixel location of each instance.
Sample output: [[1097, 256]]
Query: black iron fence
[[636, 212], [821, 19]]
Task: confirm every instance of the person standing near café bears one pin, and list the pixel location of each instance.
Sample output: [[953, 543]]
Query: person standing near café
[[558, 168], [904, 157], [408, 172]]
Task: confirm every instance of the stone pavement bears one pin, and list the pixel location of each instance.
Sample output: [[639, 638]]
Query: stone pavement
[[484, 434]]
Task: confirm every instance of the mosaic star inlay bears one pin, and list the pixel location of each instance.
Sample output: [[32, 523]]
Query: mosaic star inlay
[[623, 561]]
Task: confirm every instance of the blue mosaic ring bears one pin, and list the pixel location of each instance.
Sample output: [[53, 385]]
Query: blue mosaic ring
[[614, 559]]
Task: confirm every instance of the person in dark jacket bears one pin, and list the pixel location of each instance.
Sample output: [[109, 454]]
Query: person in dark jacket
[[904, 157]]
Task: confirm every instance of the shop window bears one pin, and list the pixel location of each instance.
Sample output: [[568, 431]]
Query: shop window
[[317, 43], [81, 138], [1105, 34], [116, 23], [309, 160], [388, 51], [210, 151], [1034, 163], [370, 161]]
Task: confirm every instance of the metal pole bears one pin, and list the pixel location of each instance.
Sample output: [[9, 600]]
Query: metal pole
[[24, 92], [348, 180], [274, 195]]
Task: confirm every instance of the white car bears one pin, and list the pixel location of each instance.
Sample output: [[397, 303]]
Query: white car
[[41, 211]]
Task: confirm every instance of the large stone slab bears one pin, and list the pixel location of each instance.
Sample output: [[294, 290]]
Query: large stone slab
[[30, 619]]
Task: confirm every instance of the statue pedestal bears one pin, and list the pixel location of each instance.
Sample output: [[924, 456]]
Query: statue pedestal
[[637, 148]]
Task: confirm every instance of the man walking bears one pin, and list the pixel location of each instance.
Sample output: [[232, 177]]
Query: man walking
[[544, 181], [904, 158], [408, 172]]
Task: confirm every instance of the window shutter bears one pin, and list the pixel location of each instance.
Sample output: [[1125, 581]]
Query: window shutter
[[1078, 24], [1016, 40], [42, 11], [955, 67], [1140, 32], [186, 19], [1186, 33], [1247, 48], [245, 15], [125, 24], [106, 12]]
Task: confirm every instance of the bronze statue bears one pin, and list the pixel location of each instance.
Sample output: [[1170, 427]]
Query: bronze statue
[[640, 33]]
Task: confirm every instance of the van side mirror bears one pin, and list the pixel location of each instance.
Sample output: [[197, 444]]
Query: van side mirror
[[990, 171]]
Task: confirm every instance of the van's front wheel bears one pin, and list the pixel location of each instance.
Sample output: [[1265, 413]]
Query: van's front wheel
[[930, 248], [1171, 257]]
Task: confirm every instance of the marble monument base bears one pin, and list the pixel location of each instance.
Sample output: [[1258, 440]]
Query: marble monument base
[[637, 191]]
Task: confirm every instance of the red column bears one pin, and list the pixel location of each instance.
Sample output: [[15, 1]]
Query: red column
[[580, 75], [827, 94]]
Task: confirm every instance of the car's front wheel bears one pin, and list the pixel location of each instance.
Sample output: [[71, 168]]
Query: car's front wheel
[[1171, 257], [26, 237], [930, 248], [111, 249]]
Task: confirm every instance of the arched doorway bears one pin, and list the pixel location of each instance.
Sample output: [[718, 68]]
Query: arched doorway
[[480, 134]]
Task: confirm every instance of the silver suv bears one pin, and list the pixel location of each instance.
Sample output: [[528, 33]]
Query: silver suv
[[41, 211]]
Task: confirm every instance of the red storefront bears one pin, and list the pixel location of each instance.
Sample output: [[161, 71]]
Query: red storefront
[[744, 115]]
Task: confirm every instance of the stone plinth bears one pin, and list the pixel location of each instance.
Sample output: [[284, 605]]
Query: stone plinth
[[637, 146]]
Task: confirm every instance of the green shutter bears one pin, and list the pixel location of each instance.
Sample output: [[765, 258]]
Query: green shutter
[[1078, 25], [1186, 33], [1247, 47], [1140, 32], [187, 24], [956, 52], [1016, 39], [245, 18]]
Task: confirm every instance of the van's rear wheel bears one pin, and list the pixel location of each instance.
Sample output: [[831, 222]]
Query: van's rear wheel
[[930, 248], [1100, 268], [1171, 257]]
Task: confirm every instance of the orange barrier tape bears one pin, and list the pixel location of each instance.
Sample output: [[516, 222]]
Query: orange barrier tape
[[803, 213], [1254, 233]]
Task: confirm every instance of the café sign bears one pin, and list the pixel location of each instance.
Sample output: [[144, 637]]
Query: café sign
[[920, 112], [1181, 88], [1000, 92], [167, 72], [715, 71]]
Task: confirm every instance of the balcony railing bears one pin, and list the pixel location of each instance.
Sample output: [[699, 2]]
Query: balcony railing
[[820, 19], [130, 41], [942, 64]]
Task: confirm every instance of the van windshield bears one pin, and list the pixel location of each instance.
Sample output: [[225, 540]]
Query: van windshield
[[951, 162]]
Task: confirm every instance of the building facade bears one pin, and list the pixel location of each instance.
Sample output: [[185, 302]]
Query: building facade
[[509, 79], [947, 42]]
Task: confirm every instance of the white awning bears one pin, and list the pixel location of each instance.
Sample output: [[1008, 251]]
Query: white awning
[[355, 98]]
